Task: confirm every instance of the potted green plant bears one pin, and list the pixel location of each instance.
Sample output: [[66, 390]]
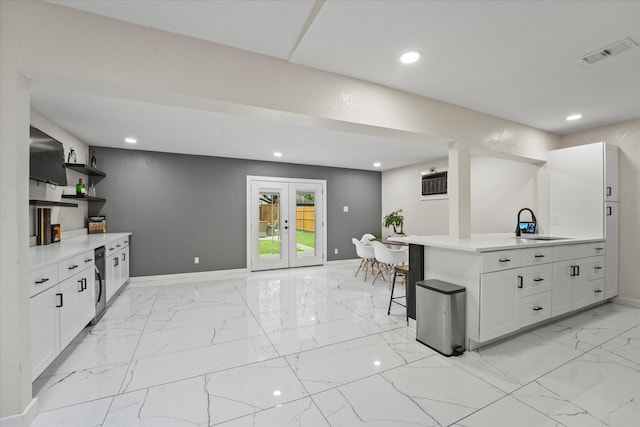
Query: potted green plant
[[395, 220]]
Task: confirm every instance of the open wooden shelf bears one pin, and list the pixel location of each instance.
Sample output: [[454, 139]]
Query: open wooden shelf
[[85, 169], [49, 203], [85, 198]]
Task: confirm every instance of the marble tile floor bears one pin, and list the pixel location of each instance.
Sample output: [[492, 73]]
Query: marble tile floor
[[314, 347]]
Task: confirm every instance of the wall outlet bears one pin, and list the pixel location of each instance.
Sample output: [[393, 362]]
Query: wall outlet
[[196, 260], [335, 251], [345, 208]]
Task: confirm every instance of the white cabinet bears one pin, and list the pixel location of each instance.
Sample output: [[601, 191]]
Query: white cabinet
[[512, 298], [534, 308], [584, 195], [576, 190], [113, 275], [549, 281], [562, 293], [69, 304], [117, 265], [612, 220], [124, 265], [611, 180], [577, 282], [60, 312], [88, 297], [498, 304], [45, 327]]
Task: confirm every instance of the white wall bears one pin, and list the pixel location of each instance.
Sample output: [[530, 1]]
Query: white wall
[[15, 323], [625, 135], [68, 218], [499, 189]]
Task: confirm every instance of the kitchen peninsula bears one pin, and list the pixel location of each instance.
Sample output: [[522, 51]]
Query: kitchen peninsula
[[511, 283]]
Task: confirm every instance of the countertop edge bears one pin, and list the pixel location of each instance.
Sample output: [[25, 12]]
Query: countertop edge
[[43, 256], [488, 243]]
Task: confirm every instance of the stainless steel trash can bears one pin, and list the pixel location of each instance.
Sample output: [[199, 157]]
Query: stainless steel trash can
[[440, 316]]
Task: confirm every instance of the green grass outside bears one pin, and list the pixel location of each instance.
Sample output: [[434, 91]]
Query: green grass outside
[[273, 246]]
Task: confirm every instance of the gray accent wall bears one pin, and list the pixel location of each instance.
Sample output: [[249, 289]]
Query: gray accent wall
[[180, 206]]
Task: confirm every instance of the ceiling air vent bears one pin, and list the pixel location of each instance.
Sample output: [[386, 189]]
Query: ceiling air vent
[[609, 51]]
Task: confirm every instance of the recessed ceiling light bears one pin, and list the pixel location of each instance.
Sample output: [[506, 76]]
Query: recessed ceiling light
[[574, 117], [377, 164], [277, 154], [277, 393], [130, 140], [410, 57]]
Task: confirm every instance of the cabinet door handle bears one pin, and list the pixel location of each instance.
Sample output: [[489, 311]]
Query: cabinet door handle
[[81, 285], [504, 260], [608, 191], [609, 210], [44, 279], [88, 260], [577, 270], [84, 283], [124, 256], [520, 282], [537, 308], [538, 279], [60, 301], [538, 256], [72, 267], [572, 270]]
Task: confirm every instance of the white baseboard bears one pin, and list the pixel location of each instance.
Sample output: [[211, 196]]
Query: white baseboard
[[24, 419], [199, 275], [627, 301], [204, 275]]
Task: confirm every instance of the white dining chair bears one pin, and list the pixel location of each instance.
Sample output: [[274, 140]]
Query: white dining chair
[[367, 238], [368, 257], [388, 258]]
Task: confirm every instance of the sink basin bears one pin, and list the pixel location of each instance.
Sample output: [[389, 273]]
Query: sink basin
[[540, 238]]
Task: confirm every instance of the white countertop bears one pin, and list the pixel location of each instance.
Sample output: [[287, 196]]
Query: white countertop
[[487, 242], [41, 256]]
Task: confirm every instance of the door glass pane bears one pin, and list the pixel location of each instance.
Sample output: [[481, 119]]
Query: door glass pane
[[269, 226], [305, 224]]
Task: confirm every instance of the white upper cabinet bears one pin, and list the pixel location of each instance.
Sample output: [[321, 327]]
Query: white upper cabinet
[[611, 166], [576, 189]]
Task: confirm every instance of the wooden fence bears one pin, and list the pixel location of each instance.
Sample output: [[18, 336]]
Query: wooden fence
[[305, 216]]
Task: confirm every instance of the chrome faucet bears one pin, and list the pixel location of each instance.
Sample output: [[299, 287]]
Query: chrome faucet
[[533, 218]]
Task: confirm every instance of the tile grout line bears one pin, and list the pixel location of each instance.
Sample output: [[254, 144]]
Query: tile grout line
[[511, 393], [132, 354]]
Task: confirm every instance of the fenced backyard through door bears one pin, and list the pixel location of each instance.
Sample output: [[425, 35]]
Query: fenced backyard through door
[[286, 223]]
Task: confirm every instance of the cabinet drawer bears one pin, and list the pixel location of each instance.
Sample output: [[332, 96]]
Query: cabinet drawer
[[500, 260], [598, 248], [533, 256], [587, 293], [73, 265], [595, 268], [535, 279], [566, 252], [534, 308], [43, 278]]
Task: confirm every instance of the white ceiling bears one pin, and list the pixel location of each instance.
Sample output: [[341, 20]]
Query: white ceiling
[[512, 59]]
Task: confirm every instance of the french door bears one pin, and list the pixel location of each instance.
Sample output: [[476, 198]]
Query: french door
[[285, 223]]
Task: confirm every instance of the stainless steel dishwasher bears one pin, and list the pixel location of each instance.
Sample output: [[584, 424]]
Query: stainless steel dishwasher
[[100, 284]]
